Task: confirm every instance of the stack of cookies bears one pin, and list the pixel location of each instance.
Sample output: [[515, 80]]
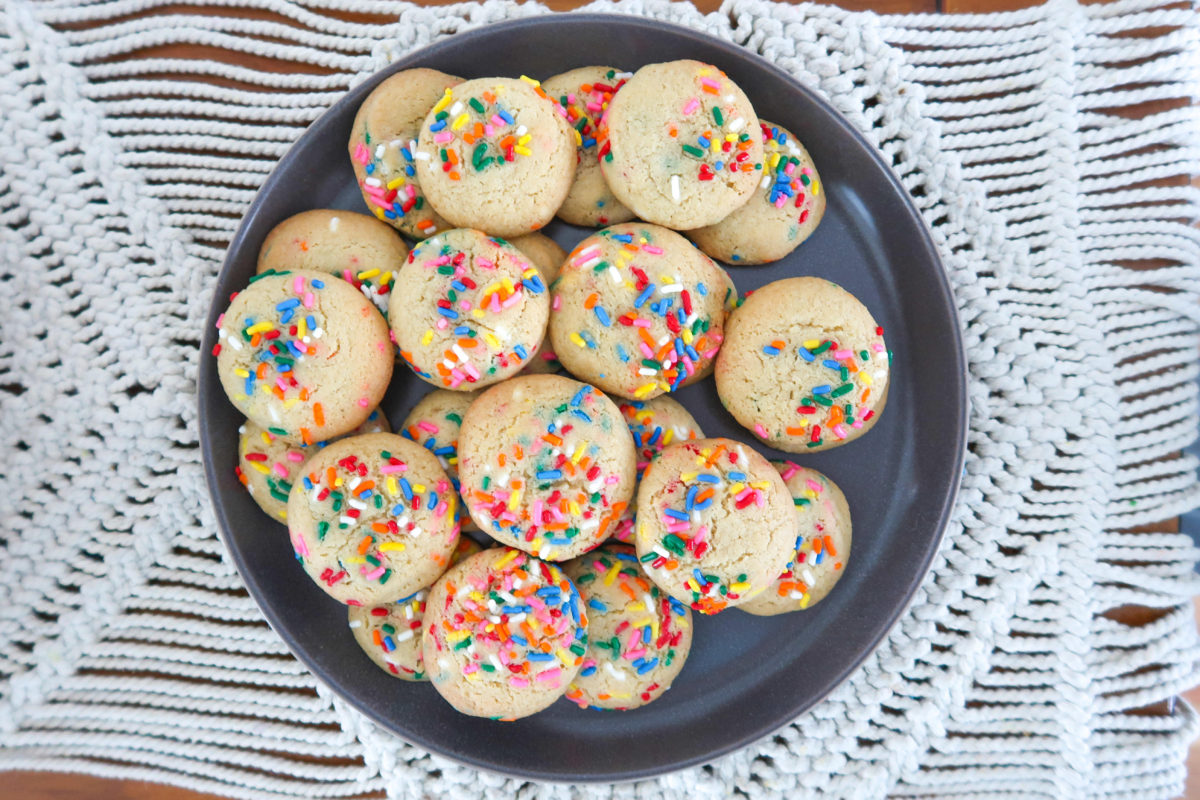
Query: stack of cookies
[[609, 516]]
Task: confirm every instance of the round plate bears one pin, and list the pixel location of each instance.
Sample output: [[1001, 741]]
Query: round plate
[[746, 676]]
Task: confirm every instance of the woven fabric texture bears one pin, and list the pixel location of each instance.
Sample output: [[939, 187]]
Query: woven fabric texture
[[128, 646]]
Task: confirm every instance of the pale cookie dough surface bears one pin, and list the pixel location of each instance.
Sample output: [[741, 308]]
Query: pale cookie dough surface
[[496, 154], [504, 634], [640, 636], [783, 213], [822, 545], [638, 311], [804, 365], [468, 310], [684, 149], [269, 461], [359, 249], [304, 352], [585, 93], [655, 424], [373, 519], [434, 423], [383, 149], [547, 465], [715, 523], [548, 257], [390, 633]]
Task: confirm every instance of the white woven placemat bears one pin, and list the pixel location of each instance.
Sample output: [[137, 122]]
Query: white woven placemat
[[127, 645]]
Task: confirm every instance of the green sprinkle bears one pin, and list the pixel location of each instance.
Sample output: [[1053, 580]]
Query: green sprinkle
[[322, 529], [487, 481], [278, 431], [475, 104], [651, 363], [843, 389], [443, 155], [388, 628], [823, 347], [648, 557], [801, 501], [577, 649], [717, 118], [420, 202], [693, 151], [673, 543], [487, 668], [454, 416], [464, 644], [587, 577], [385, 454], [821, 399], [278, 495]]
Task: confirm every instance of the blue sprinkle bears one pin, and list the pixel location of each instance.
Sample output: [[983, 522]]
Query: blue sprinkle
[[462, 287], [444, 451], [596, 604], [546, 591], [449, 313], [397, 509], [581, 415], [587, 339], [311, 321], [407, 489], [589, 142], [580, 395], [704, 141], [462, 330], [676, 606], [692, 354], [624, 556], [737, 476], [588, 670], [698, 575], [718, 166], [286, 304], [805, 354], [249, 389], [822, 389], [705, 505], [690, 500], [409, 170], [433, 501], [549, 474], [390, 214], [307, 483], [627, 238], [366, 495], [521, 352], [679, 347], [295, 348], [602, 315], [521, 609], [707, 478], [649, 665], [404, 151], [656, 436], [535, 285], [504, 115], [370, 168], [437, 126], [521, 640], [624, 356], [771, 351], [388, 644], [644, 296], [702, 289], [829, 362], [317, 284], [674, 514]]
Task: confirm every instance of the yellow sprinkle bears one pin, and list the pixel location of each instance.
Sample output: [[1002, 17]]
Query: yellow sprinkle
[[578, 137], [525, 139], [815, 187], [508, 285], [266, 437], [637, 607], [445, 101], [739, 587], [385, 279], [491, 339], [644, 390], [810, 494], [395, 183], [865, 377], [760, 484], [530, 81], [564, 657], [260, 327], [291, 401], [241, 373], [456, 636], [529, 273], [302, 327], [668, 436], [388, 547], [641, 623], [356, 560], [688, 477], [393, 488], [261, 467], [574, 507], [513, 499], [378, 212], [578, 454], [522, 151], [577, 339], [809, 344], [737, 487], [460, 121], [804, 602], [504, 559], [283, 514], [366, 276], [427, 337], [687, 336], [691, 584], [772, 162], [477, 313]]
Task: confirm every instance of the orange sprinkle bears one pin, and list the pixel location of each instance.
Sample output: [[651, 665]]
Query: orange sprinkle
[[364, 486], [452, 157], [466, 344], [829, 548], [519, 452], [319, 415], [306, 436], [331, 476], [793, 431], [710, 89], [489, 97], [779, 344], [277, 392], [507, 142], [304, 245], [468, 138], [365, 544], [836, 416], [818, 545], [625, 588], [673, 132], [555, 526], [707, 493], [255, 339], [261, 370], [590, 303], [425, 223], [865, 394], [377, 638], [671, 564], [304, 395], [502, 459], [454, 176]]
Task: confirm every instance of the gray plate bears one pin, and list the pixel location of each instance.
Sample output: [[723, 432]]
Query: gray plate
[[746, 676]]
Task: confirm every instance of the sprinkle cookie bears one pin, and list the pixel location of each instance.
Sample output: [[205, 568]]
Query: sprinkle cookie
[[548, 257], [468, 310], [683, 145], [504, 634], [390, 633], [715, 523], [547, 465], [269, 461], [383, 149], [584, 94], [372, 519], [822, 546], [303, 352], [496, 154], [639, 311], [785, 211], [804, 366], [434, 423], [640, 636], [359, 249]]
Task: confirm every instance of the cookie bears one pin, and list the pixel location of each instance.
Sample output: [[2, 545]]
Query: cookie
[[640, 636], [783, 213], [584, 95], [638, 311], [504, 634], [304, 352], [468, 310], [496, 154], [390, 633], [715, 523], [683, 147], [383, 149], [359, 249], [654, 424], [822, 545], [804, 365], [548, 257], [373, 519], [269, 461], [434, 423], [547, 465]]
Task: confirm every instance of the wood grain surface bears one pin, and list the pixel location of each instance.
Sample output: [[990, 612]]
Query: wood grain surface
[[56, 786]]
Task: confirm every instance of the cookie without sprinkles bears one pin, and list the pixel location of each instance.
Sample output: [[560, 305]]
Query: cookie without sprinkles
[[383, 149], [373, 519], [546, 464], [715, 523], [822, 544], [585, 94], [496, 154], [468, 310], [683, 145], [640, 636], [639, 311], [804, 365], [303, 352], [786, 210], [504, 634]]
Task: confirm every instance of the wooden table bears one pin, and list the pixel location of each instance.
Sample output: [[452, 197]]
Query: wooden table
[[52, 786]]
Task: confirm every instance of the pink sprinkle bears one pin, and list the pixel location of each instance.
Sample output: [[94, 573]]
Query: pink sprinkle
[[374, 574], [441, 486], [877, 347], [761, 431], [611, 479], [557, 304], [641, 322], [388, 469], [486, 263], [299, 545], [780, 201], [513, 299], [441, 324], [520, 683], [840, 354], [280, 470], [309, 300], [789, 169], [701, 535], [634, 655], [635, 639], [498, 121], [652, 250], [354, 602], [295, 457], [347, 276], [791, 470], [443, 137], [465, 305], [469, 668], [364, 402], [856, 424], [283, 387], [710, 83], [676, 525], [220, 319], [437, 262], [588, 662], [456, 377], [646, 351], [298, 284], [816, 487], [691, 106], [469, 368], [743, 494], [494, 303], [361, 154], [426, 425], [585, 255], [549, 675], [840, 431]]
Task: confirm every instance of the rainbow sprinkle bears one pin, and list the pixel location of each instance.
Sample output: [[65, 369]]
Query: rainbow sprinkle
[[814, 553], [722, 143], [479, 131]]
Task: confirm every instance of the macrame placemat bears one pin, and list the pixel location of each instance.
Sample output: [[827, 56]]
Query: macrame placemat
[[128, 646]]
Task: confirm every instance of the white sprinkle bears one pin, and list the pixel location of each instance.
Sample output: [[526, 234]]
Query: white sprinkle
[[616, 673], [373, 182], [614, 273], [647, 371], [517, 619], [274, 413], [421, 155], [675, 188], [356, 623], [522, 130], [736, 125], [347, 520], [671, 288], [622, 76], [729, 98], [379, 151], [588, 524], [334, 222], [456, 109], [403, 637]]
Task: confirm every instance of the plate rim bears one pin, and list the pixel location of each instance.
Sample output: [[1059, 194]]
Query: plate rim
[[207, 375]]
